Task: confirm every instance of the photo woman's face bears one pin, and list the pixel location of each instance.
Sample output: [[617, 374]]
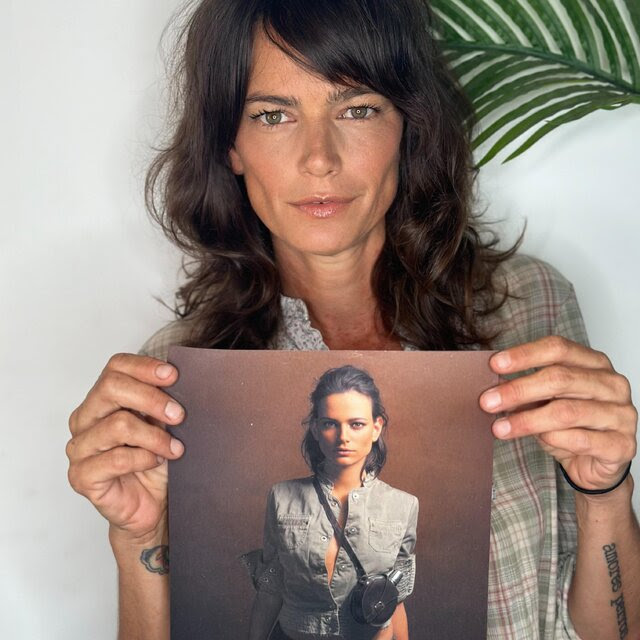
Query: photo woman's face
[[320, 161], [346, 429]]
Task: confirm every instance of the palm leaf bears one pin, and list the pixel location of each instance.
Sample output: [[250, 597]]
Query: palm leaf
[[530, 66]]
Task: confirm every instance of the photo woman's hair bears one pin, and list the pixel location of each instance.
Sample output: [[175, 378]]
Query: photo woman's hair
[[432, 279], [341, 380]]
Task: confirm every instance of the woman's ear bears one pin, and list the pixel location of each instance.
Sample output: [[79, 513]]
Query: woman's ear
[[237, 166], [378, 423]]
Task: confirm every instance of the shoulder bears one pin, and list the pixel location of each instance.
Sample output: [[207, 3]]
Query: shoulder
[[527, 276], [382, 491], [291, 491], [157, 346], [540, 302]]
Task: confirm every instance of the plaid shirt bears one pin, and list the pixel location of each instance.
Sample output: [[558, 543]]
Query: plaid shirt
[[533, 524]]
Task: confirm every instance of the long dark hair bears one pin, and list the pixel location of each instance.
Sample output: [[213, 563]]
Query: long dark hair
[[341, 380], [433, 278]]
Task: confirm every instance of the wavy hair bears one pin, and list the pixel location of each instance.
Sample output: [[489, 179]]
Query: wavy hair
[[341, 380], [433, 279]]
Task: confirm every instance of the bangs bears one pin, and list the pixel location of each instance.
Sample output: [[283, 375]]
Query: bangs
[[348, 42]]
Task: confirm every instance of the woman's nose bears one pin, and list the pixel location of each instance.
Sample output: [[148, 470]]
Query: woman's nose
[[344, 433], [319, 153]]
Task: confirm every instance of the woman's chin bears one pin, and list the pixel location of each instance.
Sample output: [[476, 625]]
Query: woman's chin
[[342, 461]]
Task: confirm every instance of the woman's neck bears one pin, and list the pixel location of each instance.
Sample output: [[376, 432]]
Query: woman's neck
[[344, 479], [339, 296]]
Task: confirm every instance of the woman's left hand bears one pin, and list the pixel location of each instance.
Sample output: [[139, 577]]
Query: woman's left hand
[[576, 405]]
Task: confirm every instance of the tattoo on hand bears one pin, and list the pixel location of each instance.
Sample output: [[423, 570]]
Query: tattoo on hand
[[156, 559], [611, 557]]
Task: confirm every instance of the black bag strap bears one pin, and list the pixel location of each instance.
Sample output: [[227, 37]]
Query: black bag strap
[[338, 529]]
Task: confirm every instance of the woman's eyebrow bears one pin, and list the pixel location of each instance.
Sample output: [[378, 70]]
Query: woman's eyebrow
[[342, 95], [339, 95], [283, 101]]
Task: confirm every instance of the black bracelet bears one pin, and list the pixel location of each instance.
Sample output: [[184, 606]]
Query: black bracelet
[[595, 492]]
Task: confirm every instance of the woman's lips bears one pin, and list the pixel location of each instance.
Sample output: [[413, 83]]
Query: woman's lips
[[322, 207]]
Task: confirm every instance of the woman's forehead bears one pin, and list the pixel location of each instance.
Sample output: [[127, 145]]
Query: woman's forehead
[[274, 70], [350, 400]]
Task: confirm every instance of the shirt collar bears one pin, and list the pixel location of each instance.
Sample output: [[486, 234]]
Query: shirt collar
[[327, 483]]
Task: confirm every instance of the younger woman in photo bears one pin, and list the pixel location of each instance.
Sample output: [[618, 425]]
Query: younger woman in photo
[[305, 577]]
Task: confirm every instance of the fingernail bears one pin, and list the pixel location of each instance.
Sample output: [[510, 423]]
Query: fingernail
[[491, 399], [176, 447], [160, 459], [501, 428], [173, 410], [163, 371], [502, 360]]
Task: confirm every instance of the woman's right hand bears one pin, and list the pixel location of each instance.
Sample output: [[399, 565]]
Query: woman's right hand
[[119, 446]]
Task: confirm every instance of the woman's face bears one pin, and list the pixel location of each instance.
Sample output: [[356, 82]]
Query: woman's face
[[346, 429], [320, 161]]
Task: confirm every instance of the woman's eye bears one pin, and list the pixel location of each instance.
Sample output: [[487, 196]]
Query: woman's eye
[[270, 118], [360, 113], [357, 425]]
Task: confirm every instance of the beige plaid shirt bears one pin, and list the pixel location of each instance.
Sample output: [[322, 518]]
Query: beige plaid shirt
[[533, 526]]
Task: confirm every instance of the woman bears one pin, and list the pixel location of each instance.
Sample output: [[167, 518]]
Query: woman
[[305, 575], [320, 176]]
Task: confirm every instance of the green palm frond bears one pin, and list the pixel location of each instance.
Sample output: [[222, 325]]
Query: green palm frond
[[529, 66]]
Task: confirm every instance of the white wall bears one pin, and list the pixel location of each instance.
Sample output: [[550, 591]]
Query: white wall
[[80, 266]]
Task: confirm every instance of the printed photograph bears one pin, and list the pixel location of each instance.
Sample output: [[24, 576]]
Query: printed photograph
[[330, 495]]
